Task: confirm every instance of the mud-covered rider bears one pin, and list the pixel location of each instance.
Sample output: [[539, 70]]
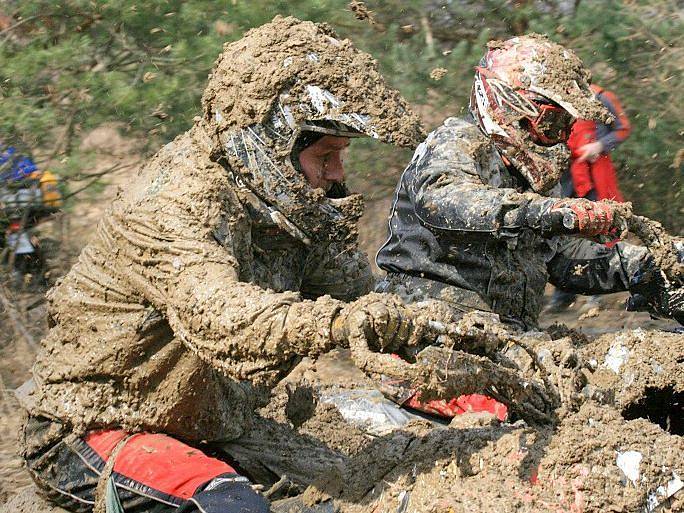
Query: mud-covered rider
[[474, 220], [231, 256]]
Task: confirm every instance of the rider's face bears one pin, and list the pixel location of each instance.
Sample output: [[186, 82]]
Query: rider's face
[[323, 161]]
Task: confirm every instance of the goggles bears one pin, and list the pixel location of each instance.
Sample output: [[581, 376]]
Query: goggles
[[552, 124]]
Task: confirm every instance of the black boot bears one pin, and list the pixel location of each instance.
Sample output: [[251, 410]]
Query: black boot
[[227, 493]]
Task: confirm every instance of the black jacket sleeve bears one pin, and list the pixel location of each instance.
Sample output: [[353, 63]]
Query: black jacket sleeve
[[586, 267], [453, 185], [341, 272]]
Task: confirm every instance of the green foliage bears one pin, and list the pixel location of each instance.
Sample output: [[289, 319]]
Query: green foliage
[[71, 65], [76, 64]]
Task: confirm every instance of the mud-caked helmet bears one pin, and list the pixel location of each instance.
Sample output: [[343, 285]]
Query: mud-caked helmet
[[280, 81], [526, 94]]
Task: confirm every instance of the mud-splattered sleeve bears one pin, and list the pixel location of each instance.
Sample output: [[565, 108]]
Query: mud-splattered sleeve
[[452, 184], [585, 267], [341, 272], [247, 332]]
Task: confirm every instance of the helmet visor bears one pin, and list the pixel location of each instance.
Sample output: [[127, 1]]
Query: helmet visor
[[552, 124]]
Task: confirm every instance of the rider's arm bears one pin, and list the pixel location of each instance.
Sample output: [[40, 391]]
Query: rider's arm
[[447, 182], [586, 267], [244, 330], [182, 270]]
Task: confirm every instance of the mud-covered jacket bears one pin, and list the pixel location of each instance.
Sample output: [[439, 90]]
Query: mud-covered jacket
[[463, 220], [187, 294]]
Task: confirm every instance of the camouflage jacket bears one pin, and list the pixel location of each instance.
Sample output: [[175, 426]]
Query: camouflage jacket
[[466, 228], [187, 295]]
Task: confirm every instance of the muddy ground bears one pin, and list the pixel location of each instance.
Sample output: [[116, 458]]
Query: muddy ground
[[478, 464]]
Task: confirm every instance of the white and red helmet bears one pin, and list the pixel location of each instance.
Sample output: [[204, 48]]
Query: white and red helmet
[[527, 93]]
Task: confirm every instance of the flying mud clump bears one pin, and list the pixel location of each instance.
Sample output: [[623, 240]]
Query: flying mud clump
[[361, 11]]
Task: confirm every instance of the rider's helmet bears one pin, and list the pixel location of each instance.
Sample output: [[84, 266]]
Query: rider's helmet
[[527, 93], [271, 91]]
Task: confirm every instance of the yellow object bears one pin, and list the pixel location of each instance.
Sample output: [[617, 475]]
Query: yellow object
[[50, 191]]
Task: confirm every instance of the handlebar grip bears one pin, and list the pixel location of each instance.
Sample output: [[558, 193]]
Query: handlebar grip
[[561, 222]]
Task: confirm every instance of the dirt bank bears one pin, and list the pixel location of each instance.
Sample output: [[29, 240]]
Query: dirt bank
[[613, 453], [605, 455]]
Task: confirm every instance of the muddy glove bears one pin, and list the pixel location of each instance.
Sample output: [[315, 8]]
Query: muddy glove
[[447, 373], [383, 319], [579, 216], [653, 292], [439, 372]]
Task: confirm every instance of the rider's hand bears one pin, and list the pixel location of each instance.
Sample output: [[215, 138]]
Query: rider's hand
[[666, 302], [581, 216], [590, 151], [386, 322], [653, 292]]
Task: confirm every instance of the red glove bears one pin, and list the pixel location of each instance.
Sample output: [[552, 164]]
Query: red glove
[[590, 217]]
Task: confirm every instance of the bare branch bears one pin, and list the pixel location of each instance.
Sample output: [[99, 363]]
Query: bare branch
[[111, 169], [96, 177], [20, 23], [15, 319]]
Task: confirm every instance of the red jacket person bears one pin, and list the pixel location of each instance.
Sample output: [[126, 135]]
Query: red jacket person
[[591, 167]]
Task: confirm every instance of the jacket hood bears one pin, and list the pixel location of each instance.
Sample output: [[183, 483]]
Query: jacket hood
[[279, 80]]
